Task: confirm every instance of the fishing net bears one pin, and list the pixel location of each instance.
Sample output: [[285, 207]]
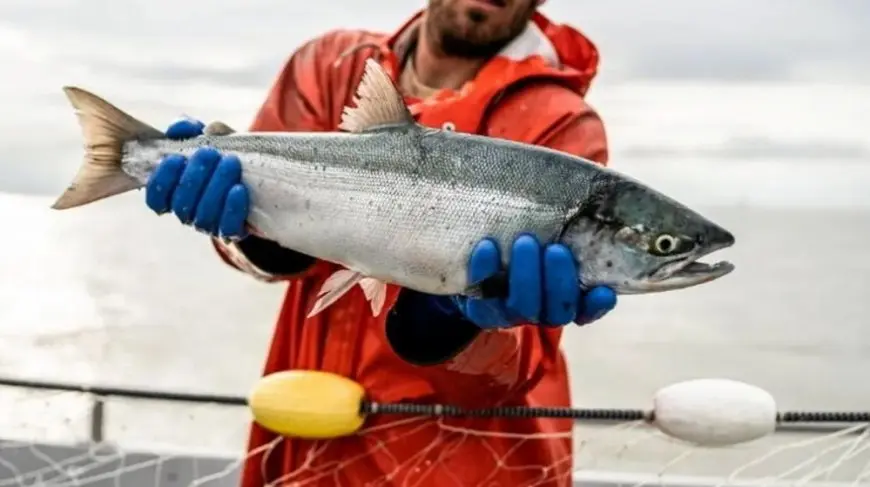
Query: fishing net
[[53, 438]]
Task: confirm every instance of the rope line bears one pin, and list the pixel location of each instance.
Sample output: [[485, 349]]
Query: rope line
[[442, 410]]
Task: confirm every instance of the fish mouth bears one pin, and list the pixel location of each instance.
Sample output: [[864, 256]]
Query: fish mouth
[[693, 270], [685, 273]]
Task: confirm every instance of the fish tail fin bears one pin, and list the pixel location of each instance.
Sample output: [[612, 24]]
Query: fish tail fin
[[105, 129], [342, 281]]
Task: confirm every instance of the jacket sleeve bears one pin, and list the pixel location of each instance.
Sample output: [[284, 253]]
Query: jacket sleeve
[[296, 102], [512, 360]]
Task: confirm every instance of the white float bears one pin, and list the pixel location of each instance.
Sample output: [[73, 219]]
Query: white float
[[714, 412]]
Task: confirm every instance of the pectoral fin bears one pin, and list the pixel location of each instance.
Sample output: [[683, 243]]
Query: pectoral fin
[[376, 293], [342, 281]]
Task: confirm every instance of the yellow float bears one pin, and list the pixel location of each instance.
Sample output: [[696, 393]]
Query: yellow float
[[307, 404]]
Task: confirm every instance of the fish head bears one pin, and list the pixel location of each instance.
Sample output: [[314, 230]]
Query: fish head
[[635, 240]]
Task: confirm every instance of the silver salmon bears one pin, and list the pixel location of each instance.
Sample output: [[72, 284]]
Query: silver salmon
[[392, 201]]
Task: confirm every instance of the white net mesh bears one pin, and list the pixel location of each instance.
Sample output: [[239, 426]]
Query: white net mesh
[[153, 443]]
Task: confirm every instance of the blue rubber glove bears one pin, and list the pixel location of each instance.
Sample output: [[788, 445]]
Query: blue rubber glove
[[542, 287], [204, 191]]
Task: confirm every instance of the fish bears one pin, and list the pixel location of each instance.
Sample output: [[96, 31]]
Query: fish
[[391, 201]]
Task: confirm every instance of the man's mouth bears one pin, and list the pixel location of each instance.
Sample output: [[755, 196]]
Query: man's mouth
[[491, 3]]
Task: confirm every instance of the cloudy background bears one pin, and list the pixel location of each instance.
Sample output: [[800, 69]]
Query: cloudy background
[[757, 112], [796, 69]]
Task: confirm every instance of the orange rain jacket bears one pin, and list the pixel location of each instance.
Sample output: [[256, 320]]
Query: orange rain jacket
[[532, 92]]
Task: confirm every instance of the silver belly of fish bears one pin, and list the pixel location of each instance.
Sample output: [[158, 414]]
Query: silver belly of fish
[[415, 232]]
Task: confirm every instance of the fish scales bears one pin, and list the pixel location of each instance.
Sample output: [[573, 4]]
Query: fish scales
[[399, 205]]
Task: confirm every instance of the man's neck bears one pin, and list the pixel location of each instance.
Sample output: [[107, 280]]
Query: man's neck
[[435, 69]]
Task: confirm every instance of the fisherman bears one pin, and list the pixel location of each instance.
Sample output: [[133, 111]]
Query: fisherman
[[498, 68]]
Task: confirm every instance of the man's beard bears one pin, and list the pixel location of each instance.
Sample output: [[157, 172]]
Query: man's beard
[[472, 37]]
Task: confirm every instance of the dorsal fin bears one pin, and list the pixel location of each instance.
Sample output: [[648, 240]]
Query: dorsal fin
[[378, 102]]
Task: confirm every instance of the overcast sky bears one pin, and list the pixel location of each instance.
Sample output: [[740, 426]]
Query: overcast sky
[[159, 58]]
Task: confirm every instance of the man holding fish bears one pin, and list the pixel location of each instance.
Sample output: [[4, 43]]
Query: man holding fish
[[461, 365], [496, 68]]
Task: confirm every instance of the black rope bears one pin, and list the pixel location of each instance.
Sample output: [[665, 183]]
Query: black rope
[[444, 410], [585, 414], [125, 392], [823, 417], [373, 408]]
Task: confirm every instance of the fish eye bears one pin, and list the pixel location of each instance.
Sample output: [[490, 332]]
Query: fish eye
[[666, 244]]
